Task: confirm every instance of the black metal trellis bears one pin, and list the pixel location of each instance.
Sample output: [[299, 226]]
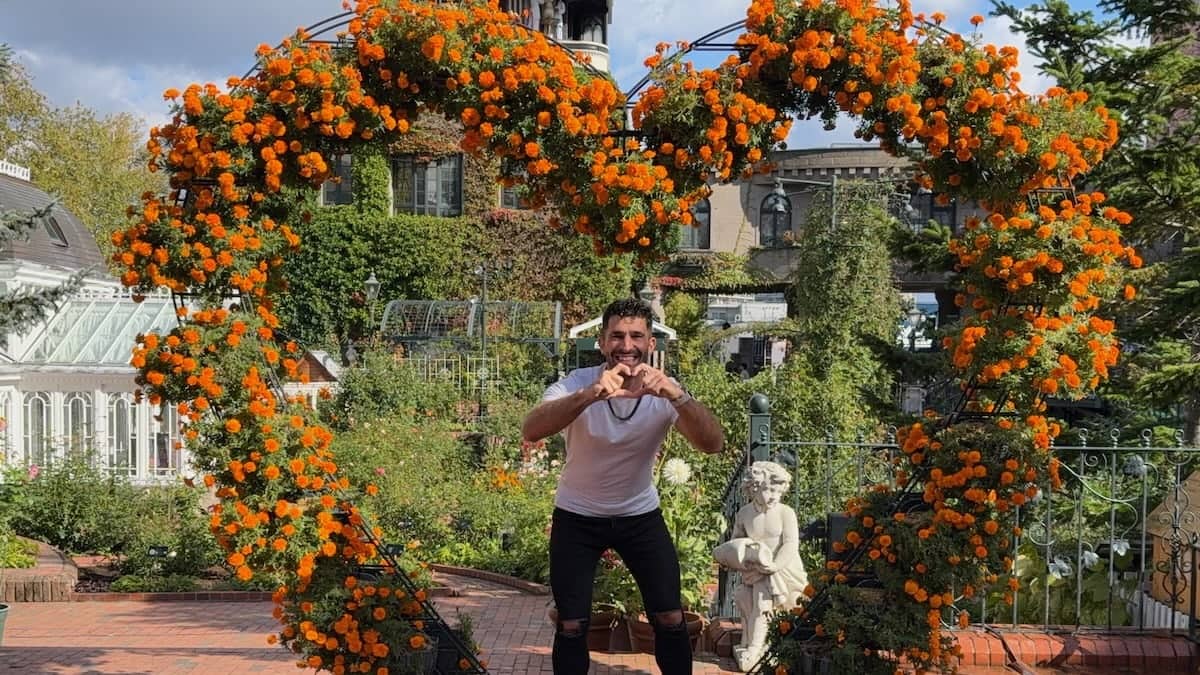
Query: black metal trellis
[[434, 625]]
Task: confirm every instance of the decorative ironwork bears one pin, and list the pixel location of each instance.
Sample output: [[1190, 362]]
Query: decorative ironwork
[[1115, 547]]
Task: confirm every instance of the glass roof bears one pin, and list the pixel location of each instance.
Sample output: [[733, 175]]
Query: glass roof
[[99, 330]]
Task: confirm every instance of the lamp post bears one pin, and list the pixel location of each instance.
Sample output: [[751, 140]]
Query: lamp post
[[371, 286], [482, 374]]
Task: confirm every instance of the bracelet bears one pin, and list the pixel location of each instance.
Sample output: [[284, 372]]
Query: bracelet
[[681, 400]]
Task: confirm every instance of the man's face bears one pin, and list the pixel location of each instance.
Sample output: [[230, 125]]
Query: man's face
[[626, 340]]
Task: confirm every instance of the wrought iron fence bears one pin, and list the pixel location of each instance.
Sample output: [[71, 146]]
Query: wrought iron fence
[[1115, 547]]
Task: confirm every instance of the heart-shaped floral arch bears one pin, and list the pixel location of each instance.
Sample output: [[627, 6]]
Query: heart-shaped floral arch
[[1036, 276]]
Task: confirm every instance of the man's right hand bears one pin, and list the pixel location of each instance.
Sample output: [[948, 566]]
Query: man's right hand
[[617, 382]]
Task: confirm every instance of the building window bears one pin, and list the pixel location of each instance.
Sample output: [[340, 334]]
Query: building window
[[699, 234], [928, 208], [510, 198], [592, 30], [431, 188], [79, 422], [122, 436], [37, 429], [168, 446], [339, 189], [57, 237], [774, 220]]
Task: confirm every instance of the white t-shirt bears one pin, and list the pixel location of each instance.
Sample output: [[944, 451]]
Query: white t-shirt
[[610, 462]]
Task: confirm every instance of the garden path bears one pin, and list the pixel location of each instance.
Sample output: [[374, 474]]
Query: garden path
[[218, 638]]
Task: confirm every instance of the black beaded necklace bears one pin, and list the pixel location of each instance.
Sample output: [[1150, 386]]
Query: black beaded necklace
[[631, 412]]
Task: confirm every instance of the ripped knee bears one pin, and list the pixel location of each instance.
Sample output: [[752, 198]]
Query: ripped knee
[[572, 628], [670, 621]]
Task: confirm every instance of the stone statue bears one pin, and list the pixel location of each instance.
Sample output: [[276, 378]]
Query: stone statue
[[765, 550], [560, 19], [548, 17]]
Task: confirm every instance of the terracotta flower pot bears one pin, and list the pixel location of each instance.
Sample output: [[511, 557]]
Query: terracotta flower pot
[[641, 633]]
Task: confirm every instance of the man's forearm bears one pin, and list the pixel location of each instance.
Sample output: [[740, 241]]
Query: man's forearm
[[551, 417], [700, 427]]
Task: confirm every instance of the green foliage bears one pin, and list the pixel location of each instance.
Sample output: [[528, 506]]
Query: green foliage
[[385, 386], [96, 166], [1050, 590], [171, 517], [370, 169], [173, 583], [842, 291], [16, 552], [75, 507], [1152, 173], [685, 314], [412, 256]]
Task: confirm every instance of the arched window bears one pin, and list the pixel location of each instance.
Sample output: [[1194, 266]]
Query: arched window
[[774, 219], [593, 30], [698, 235], [79, 422], [37, 428], [122, 436]]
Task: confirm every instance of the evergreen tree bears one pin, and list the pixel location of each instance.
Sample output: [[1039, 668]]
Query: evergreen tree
[[1139, 59]]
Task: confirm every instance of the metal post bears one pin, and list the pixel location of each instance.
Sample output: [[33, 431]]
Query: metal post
[[759, 447], [483, 374]]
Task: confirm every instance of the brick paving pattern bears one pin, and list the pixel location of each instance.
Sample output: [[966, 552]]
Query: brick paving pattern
[[201, 638]]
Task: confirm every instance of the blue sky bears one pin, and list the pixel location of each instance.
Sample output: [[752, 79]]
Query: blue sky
[[119, 55]]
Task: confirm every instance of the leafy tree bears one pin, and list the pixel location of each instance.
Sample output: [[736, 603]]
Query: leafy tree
[[23, 307], [843, 299], [1152, 84], [95, 165]]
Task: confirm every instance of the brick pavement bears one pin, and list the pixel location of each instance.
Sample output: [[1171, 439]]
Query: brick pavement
[[202, 638]]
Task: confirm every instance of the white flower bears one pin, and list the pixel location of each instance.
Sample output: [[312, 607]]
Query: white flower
[[677, 471], [1089, 559], [1120, 547], [1060, 568]]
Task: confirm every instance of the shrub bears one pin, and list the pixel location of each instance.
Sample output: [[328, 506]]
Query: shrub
[[74, 507], [134, 583], [170, 517], [16, 552]]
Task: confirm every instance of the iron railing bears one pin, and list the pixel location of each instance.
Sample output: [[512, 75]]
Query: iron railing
[[1114, 548]]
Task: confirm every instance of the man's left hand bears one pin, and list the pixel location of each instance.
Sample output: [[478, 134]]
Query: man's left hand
[[656, 383]]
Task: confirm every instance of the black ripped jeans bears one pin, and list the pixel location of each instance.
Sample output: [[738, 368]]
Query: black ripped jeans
[[643, 542]]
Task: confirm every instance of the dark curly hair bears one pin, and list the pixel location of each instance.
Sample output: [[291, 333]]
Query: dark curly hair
[[627, 308]]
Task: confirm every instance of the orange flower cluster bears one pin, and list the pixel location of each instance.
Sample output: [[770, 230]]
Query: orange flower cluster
[[1036, 279]]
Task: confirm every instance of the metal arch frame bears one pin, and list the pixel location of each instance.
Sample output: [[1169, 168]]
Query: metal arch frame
[[704, 43]]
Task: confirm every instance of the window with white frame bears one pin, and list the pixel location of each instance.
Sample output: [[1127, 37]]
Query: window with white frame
[[79, 422], [427, 187], [122, 436], [37, 428], [699, 234], [339, 189], [167, 448]]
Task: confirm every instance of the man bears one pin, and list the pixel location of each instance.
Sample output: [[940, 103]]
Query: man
[[615, 417]]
